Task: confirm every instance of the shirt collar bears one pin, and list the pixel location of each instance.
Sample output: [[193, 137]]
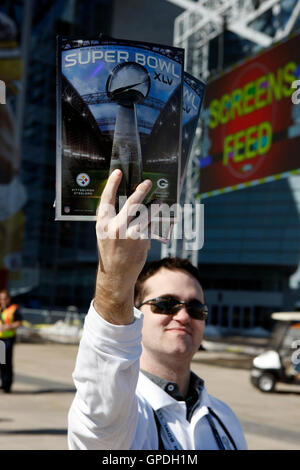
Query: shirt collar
[[160, 392]]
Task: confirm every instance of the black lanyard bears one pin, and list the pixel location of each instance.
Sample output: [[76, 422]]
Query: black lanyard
[[215, 432]]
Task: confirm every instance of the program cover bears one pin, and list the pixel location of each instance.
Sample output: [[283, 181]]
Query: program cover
[[119, 105], [193, 94]]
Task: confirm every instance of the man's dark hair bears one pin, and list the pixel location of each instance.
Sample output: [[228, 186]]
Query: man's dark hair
[[152, 267]]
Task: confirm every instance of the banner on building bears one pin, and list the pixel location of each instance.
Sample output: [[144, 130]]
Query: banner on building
[[251, 124]]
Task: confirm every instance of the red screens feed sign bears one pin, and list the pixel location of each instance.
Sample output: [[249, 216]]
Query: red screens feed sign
[[251, 127]]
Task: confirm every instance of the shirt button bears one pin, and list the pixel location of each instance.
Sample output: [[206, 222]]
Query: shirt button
[[170, 388]]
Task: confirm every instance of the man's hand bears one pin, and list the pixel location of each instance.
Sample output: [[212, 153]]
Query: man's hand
[[121, 253]]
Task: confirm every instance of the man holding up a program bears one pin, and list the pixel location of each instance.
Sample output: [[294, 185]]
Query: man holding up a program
[[135, 389]]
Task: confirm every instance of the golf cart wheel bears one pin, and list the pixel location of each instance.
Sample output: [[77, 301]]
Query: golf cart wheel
[[266, 382]]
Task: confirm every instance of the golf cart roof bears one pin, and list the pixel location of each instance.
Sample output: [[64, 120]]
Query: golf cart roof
[[286, 316]]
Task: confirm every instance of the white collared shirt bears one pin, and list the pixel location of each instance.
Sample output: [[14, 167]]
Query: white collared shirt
[[114, 403]]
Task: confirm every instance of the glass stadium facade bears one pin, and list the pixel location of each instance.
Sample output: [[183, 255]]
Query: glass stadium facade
[[251, 246]]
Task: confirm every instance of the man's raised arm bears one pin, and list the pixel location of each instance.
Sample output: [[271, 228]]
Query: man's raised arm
[[104, 413], [120, 260]]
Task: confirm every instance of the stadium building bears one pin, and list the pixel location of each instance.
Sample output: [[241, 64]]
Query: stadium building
[[251, 253]]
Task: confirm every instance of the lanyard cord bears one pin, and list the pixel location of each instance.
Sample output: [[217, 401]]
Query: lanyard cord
[[215, 432], [158, 426], [174, 445], [224, 427]]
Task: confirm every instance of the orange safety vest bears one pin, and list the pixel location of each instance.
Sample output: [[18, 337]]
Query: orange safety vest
[[6, 317]]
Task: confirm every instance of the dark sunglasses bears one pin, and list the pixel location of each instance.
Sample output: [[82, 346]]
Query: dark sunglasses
[[171, 305]]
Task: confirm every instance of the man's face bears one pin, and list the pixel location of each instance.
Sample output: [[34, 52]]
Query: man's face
[[4, 300], [176, 336]]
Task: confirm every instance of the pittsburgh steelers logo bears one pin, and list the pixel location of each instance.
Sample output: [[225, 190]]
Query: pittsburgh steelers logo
[[83, 180]]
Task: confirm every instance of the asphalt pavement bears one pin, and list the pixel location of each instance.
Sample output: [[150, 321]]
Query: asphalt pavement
[[34, 415]]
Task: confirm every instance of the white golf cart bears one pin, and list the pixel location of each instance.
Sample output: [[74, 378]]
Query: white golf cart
[[281, 361]]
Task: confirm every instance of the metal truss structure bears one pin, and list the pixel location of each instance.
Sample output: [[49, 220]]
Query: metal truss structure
[[194, 29]]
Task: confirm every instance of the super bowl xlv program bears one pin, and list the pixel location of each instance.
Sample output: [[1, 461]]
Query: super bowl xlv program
[[193, 93], [119, 105]]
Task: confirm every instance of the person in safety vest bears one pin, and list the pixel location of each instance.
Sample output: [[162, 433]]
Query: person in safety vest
[[135, 387], [10, 320]]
